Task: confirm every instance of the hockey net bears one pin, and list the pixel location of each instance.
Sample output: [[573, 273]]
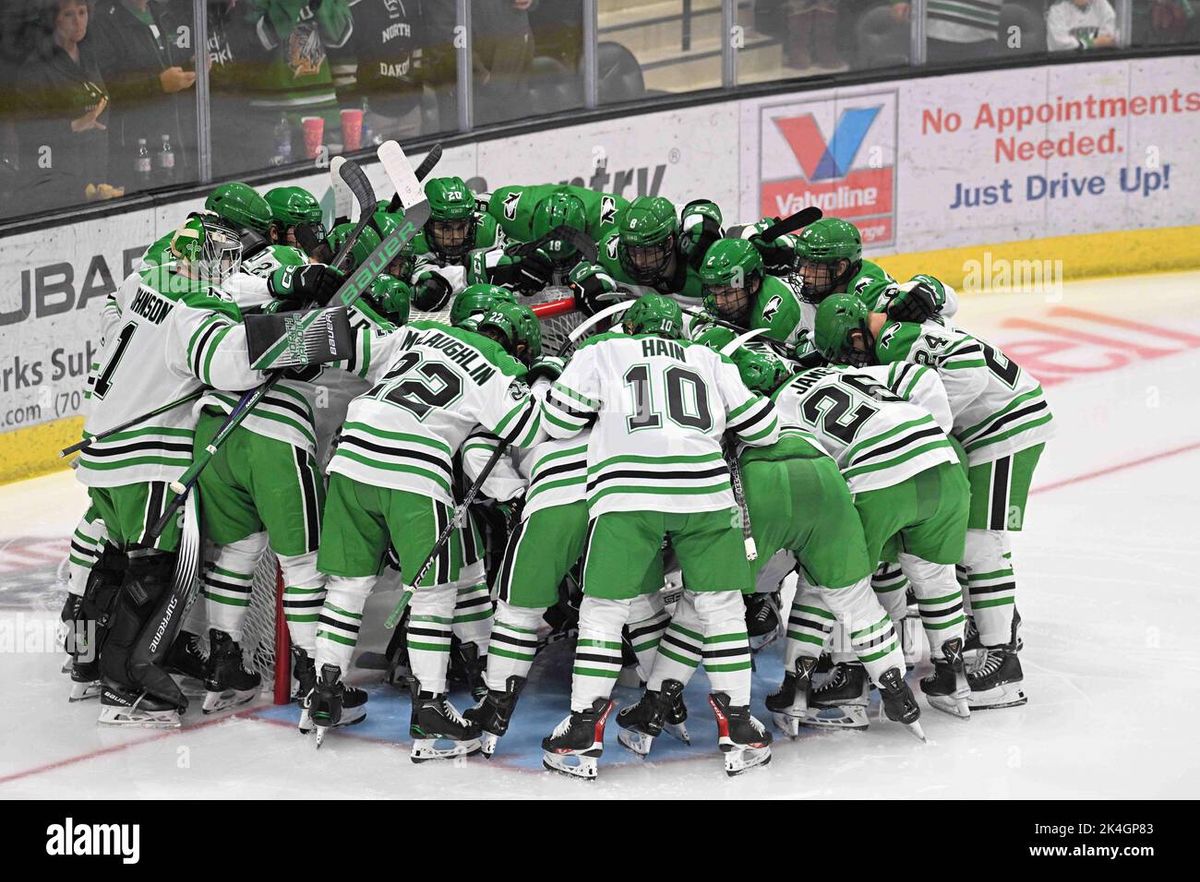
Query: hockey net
[[265, 642]]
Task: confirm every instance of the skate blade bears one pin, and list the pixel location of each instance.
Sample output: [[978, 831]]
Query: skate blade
[[678, 730], [743, 760], [487, 744], [949, 704], [573, 765], [787, 723], [84, 691], [914, 729], [846, 716], [219, 701], [763, 640], [351, 716], [321, 732], [1007, 695], [123, 718], [638, 743], [426, 749]]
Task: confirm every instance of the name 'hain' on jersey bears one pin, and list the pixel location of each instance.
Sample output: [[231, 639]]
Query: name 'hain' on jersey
[[658, 410], [433, 386], [877, 438]]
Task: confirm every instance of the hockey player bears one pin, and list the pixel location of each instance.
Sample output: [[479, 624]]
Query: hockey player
[[515, 208], [655, 249], [291, 209], [391, 479], [236, 204], [1002, 420], [655, 470], [442, 250], [475, 301], [178, 334], [528, 269]]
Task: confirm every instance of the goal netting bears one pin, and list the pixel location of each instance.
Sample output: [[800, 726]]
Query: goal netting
[[265, 642]]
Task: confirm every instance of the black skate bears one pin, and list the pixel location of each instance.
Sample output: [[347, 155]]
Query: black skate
[[898, 702], [334, 703], [124, 707], [493, 714], [577, 742], [656, 712], [789, 705], [762, 618], [840, 702], [187, 659], [304, 669], [467, 667], [744, 740], [399, 673], [972, 643], [995, 681], [434, 719], [85, 680], [228, 683], [947, 689]]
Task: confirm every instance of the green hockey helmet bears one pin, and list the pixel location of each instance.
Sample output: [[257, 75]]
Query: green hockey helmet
[[557, 210], [841, 332], [514, 327], [293, 207], [762, 371], [210, 248], [829, 254], [240, 206], [392, 298], [367, 242], [647, 234], [450, 229], [731, 274], [654, 314], [385, 223], [474, 300]]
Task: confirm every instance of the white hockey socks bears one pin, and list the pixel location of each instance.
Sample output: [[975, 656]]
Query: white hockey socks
[[722, 617], [430, 628], [473, 608], [229, 582], [987, 563], [648, 620], [939, 599], [303, 598], [340, 620], [513, 644], [598, 652]]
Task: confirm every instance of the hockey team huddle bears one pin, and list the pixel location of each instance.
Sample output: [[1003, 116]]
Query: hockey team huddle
[[737, 403]]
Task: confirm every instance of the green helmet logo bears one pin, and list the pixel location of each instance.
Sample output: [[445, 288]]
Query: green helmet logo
[[240, 206], [450, 229], [762, 372], [655, 314], [392, 297], [647, 233], [557, 210], [829, 253], [474, 300], [841, 332], [731, 273], [367, 242]]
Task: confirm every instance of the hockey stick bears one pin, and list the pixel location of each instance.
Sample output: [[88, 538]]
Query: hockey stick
[[400, 172], [107, 433], [431, 159], [591, 321], [792, 222], [582, 242], [356, 181], [342, 195], [739, 496]]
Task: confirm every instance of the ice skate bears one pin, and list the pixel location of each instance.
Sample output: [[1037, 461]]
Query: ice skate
[[493, 714], [305, 671], [789, 705], [435, 721], [840, 702], [85, 681], [334, 703], [898, 703], [578, 741], [762, 619], [744, 740], [641, 723], [467, 667], [996, 680], [947, 689], [126, 708], [229, 683], [187, 659]]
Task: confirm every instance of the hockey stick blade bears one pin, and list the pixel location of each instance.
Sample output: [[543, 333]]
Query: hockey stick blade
[[431, 159], [791, 223], [356, 179], [343, 199], [733, 345]]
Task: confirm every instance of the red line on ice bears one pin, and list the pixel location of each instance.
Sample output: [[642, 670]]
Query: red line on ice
[[1087, 476]]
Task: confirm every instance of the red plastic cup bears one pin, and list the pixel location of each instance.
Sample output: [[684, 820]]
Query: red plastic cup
[[314, 134], [352, 124]]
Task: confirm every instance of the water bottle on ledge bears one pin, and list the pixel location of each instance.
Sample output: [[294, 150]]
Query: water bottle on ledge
[[166, 162], [283, 142], [142, 167]]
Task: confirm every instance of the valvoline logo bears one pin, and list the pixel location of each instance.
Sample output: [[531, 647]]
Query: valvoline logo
[[839, 155]]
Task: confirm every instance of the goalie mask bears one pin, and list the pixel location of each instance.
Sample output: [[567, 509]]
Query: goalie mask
[[207, 248]]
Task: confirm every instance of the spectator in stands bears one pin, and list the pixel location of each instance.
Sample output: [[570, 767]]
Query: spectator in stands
[[387, 69], [1160, 22], [558, 30], [151, 92], [503, 52], [957, 30], [1081, 24], [234, 56], [63, 133], [811, 34]]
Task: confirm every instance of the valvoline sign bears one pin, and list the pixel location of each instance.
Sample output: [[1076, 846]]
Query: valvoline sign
[[838, 154]]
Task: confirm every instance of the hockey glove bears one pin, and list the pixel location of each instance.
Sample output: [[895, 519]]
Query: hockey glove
[[534, 272], [548, 366], [779, 255], [311, 283], [701, 226], [593, 288], [915, 303], [430, 293]]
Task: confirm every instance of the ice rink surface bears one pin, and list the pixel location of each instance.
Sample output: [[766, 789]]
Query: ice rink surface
[[1107, 574]]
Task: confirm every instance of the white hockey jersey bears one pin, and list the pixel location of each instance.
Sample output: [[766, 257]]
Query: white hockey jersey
[[878, 439], [660, 409], [433, 385]]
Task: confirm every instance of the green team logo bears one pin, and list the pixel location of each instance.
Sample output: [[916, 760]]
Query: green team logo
[[888, 335], [608, 209], [611, 248], [510, 205], [772, 308]]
